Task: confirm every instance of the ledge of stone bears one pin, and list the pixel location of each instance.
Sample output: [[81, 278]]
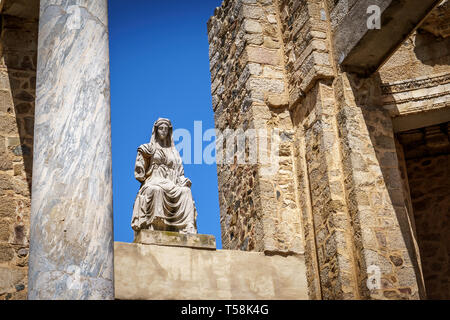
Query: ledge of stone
[[175, 239], [151, 272]]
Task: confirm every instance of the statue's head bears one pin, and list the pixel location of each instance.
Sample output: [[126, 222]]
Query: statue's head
[[162, 131]]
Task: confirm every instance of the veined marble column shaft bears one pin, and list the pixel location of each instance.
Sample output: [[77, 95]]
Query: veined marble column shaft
[[71, 236]]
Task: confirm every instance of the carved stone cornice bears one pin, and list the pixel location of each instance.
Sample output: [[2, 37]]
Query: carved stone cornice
[[416, 95], [415, 84]]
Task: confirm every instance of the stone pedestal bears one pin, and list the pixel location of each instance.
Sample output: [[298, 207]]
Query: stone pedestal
[[152, 272], [175, 239]]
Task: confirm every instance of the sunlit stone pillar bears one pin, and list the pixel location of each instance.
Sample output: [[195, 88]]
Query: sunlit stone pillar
[[71, 240]]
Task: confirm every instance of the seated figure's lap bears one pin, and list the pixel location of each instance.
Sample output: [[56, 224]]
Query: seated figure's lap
[[150, 189]]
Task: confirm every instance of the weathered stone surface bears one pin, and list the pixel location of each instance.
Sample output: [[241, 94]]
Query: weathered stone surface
[[437, 21], [10, 278], [277, 101], [6, 253], [175, 239], [250, 91], [307, 54], [252, 26], [4, 231], [345, 171], [17, 69], [184, 273], [416, 88], [263, 56]]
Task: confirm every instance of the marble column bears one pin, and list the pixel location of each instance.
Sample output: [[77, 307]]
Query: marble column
[[71, 236]]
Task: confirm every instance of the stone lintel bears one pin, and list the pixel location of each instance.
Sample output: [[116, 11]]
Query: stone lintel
[[421, 119], [175, 239], [362, 50]]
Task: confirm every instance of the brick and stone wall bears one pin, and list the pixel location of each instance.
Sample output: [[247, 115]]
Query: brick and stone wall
[[249, 91], [376, 199], [345, 131], [354, 208], [306, 45], [17, 94]]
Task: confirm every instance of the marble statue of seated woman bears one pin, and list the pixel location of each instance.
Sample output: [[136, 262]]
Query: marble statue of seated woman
[[164, 201]]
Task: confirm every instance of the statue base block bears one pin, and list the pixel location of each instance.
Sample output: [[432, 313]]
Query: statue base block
[[175, 239]]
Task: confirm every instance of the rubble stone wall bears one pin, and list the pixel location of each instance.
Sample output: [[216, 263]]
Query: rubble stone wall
[[17, 94], [306, 44], [355, 209], [259, 211]]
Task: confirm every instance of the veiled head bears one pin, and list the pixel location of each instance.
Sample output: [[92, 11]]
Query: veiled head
[[162, 131]]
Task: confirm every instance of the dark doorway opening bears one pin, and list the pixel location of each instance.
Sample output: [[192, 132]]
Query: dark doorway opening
[[427, 160]]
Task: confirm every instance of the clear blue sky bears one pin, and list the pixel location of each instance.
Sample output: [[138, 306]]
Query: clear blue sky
[[159, 68]]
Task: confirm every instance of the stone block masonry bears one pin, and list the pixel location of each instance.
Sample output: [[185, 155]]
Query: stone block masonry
[[339, 198], [250, 91], [17, 94]]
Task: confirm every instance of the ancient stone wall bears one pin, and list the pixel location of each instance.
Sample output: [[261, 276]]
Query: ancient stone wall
[[339, 120], [258, 211], [438, 21], [417, 76], [416, 93], [355, 210], [422, 54], [17, 94], [376, 199], [358, 217], [307, 52], [338, 9], [325, 192]]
